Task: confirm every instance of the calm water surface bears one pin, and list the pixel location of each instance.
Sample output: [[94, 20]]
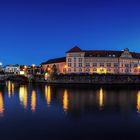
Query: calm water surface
[[45, 112]]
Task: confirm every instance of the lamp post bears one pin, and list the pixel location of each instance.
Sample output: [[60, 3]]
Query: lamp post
[[33, 66]]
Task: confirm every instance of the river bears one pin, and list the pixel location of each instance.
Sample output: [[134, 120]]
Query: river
[[44, 112]]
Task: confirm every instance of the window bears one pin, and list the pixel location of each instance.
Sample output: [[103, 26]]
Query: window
[[87, 70], [108, 64], [69, 70], [94, 64], [74, 64], [69, 59], [101, 64], [87, 65], [69, 64], [80, 70], [74, 59], [80, 59], [127, 65], [94, 70], [115, 65], [109, 70], [80, 64], [135, 65], [74, 70]]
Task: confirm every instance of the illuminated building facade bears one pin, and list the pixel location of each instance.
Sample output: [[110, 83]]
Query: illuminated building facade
[[59, 63], [96, 61], [102, 61], [12, 69]]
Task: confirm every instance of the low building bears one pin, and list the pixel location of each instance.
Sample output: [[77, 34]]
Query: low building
[[97, 61], [59, 63], [12, 69]]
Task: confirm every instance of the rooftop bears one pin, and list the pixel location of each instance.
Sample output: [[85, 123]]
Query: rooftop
[[56, 60]]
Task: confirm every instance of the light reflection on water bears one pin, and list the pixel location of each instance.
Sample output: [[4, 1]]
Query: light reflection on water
[[48, 94], [65, 100], [33, 101], [138, 101], [72, 98], [23, 96], [1, 105], [43, 108]]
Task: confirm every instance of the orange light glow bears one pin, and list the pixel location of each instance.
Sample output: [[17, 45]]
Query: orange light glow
[[13, 88], [1, 105], [9, 88], [48, 94], [23, 96], [101, 70], [33, 101], [101, 98], [65, 101], [138, 102]]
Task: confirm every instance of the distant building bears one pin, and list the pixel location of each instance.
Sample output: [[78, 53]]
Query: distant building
[[97, 61], [60, 64], [13, 69]]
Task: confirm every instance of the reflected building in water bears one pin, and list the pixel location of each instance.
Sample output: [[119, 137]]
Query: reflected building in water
[[23, 96], [79, 100], [33, 101]]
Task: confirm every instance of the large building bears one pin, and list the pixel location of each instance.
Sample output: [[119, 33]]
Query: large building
[[97, 61]]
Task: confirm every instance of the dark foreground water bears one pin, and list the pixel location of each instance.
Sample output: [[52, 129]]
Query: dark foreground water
[[41, 112]]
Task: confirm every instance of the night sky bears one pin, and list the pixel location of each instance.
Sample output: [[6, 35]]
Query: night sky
[[32, 31]]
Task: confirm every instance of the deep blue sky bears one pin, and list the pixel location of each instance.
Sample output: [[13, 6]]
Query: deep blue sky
[[32, 31]]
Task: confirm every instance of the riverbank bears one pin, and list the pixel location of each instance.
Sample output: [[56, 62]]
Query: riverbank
[[81, 79], [94, 79]]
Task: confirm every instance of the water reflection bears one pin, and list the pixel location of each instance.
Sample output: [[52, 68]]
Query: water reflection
[[48, 94], [1, 105], [33, 101], [65, 100], [72, 100], [11, 88], [23, 96], [138, 101], [100, 96]]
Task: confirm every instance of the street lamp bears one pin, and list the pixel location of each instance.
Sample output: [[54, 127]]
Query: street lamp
[[33, 65]]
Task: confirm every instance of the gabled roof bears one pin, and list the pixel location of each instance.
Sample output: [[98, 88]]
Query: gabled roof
[[56, 60], [74, 49]]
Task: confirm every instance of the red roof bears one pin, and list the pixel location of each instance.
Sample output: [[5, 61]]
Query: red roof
[[75, 49]]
